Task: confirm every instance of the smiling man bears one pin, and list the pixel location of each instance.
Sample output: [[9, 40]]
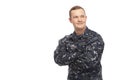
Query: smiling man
[[81, 50]]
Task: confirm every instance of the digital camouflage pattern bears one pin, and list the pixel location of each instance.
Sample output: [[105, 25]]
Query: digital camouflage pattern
[[82, 53]]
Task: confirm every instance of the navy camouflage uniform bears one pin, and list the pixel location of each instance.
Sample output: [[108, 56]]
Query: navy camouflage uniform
[[82, 53]]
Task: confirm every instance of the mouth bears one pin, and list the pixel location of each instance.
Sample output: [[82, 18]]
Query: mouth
[[79, 23]]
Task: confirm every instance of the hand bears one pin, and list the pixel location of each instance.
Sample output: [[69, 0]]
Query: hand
[[71, 47]]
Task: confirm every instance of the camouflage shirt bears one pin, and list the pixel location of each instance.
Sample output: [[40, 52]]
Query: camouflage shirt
[[82, 53]]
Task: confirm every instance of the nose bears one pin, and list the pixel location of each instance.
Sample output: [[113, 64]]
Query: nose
[[79, 19]]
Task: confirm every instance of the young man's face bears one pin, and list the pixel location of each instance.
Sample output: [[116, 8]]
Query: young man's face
[[78, 18]]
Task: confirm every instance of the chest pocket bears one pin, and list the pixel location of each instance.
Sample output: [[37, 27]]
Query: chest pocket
[[83, 43]]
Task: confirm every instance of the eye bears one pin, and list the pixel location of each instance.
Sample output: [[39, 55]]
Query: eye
[[82, 16], [75, 17]]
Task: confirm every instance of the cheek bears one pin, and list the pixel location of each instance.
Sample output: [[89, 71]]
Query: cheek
[[84, 20], [73, 21]]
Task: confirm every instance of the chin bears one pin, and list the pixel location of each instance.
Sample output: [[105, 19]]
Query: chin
[[81, 27]]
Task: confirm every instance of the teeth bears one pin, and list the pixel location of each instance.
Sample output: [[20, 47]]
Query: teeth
[[79, 23]]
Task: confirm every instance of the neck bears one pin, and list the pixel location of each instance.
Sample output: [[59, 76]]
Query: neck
[[80, 31]]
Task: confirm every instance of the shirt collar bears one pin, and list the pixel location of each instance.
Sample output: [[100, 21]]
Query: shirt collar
[[82, 35]]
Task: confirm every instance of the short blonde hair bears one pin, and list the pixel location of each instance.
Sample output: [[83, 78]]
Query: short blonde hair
[[74, 8]]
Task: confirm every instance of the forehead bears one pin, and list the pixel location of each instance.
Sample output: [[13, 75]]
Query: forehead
[[78, 12]]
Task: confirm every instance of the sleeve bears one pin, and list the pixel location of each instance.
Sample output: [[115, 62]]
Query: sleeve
[[92, 53], [65, 53]]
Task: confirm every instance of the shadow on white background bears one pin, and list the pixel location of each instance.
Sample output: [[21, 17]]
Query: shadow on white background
[[30, 30]]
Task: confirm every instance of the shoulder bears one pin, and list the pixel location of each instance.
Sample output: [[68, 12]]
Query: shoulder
[[93, 33], [65, 38], [95, 36]]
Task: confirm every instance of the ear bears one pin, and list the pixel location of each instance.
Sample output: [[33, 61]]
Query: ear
[[86, 17], [70, 20]]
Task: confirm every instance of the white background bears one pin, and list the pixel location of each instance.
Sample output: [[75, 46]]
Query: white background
[[30, 30]]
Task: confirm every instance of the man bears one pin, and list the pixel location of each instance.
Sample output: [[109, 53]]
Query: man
[[81, 50]]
